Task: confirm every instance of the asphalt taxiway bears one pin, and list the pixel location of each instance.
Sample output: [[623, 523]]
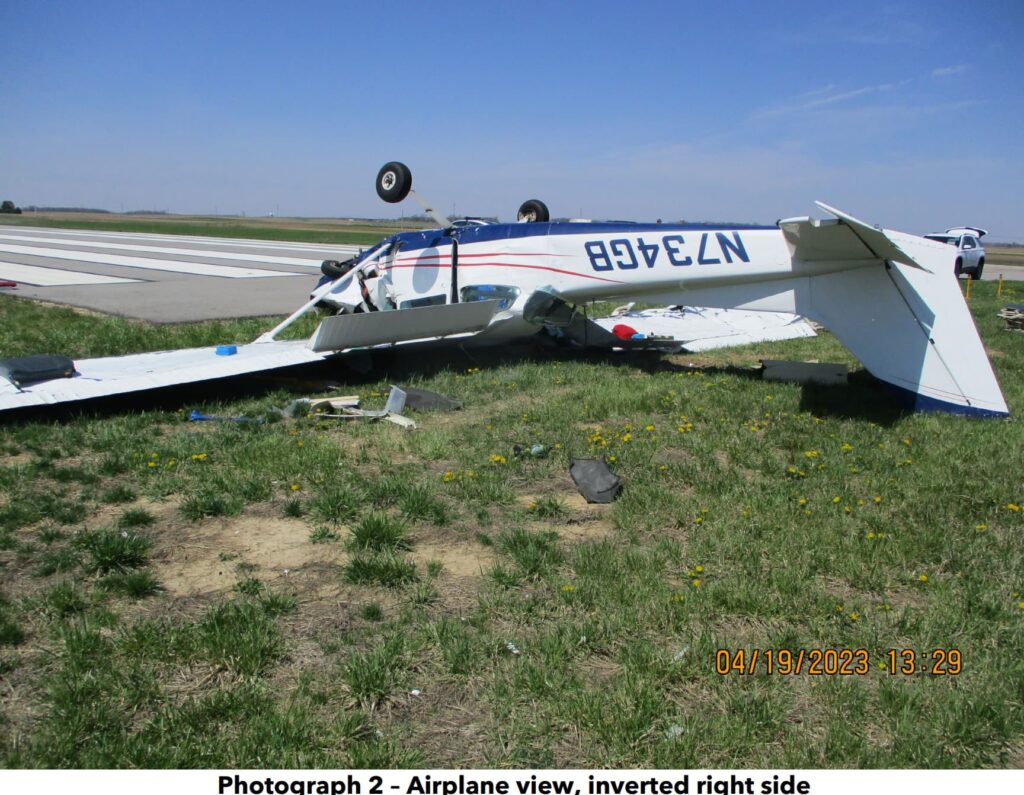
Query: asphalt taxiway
[[162, 278]]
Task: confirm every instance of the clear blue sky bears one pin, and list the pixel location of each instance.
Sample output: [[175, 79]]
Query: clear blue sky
[[906, 114]]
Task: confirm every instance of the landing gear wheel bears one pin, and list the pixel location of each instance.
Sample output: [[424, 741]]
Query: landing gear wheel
[[958, 267], [978, 270], [335, 269], [394, 181], [533, 211]]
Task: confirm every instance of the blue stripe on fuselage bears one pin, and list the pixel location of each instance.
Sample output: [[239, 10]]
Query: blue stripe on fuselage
[[431, 238]]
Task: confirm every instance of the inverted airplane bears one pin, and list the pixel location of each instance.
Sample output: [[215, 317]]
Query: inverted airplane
[[891, 298]]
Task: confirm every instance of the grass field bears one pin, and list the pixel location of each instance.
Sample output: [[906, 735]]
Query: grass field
[[305, 593], [318, 230], [1005, 255]]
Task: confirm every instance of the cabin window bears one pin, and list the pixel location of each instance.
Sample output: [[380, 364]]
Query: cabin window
[[503, 293], [427, 300]]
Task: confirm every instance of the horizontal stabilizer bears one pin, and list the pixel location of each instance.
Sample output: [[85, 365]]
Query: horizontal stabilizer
[[844, 239], [884, 244]]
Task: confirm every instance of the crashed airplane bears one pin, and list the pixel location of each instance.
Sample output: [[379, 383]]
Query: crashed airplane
[[891, 298]]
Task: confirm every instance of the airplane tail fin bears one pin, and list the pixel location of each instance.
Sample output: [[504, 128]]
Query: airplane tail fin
[[906, 320]]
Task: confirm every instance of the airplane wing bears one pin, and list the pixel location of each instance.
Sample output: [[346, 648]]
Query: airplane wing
[[341, 332], [141, 372]]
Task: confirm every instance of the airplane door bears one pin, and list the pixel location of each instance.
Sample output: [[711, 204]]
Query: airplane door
[[421, 277]]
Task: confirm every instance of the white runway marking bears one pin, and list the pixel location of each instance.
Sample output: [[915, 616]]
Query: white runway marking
[[174, 266], [53, 277], [335, 248], [147, 249]]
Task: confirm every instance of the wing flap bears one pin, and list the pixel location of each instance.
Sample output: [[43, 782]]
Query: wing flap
[[363, 330]]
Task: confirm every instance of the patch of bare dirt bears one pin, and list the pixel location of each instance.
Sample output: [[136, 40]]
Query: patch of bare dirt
[[204, 558], [17, 459], [461, 559]]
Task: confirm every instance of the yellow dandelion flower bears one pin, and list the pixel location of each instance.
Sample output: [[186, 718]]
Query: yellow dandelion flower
[[696, 583], [802, 501], [876, 499], [663, 468], [906, 441], [699, 569], [840, 609], [871, 536], [847, 447], [1013, 507], [649, 428], [847, 509], [678, 597], [153, 455], [294, 487], [568, 588], [1020, 605], [151, 464], [612, 459], [498, 459], [810, 453], [922, 578], [854, 616], [981, 527], [698, 520], [837, 500]]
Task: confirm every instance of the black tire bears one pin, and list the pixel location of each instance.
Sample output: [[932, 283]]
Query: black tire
[[335, 269], [979, 269], [394, 181], [533, 211], [958, 268]]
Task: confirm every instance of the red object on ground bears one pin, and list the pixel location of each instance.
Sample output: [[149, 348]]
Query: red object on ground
[[623, 332], [7, 283]]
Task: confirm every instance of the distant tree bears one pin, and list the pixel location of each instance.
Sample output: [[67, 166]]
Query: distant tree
[[8, 207]]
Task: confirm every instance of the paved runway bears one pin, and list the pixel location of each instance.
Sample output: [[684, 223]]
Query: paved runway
[[162, 278]]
